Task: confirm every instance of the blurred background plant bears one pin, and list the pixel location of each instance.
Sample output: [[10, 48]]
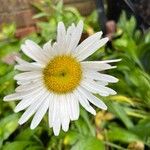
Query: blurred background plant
[[125, 125]]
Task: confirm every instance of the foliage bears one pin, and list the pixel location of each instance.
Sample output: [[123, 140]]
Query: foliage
[[128, 117], [51, 13]]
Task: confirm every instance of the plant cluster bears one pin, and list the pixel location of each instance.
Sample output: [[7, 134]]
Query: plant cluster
[[126, 123]]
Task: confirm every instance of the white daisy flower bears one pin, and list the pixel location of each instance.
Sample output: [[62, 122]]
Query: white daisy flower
[[59, 80]]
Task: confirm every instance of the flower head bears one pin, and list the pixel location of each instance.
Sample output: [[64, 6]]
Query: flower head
[[59, 80]]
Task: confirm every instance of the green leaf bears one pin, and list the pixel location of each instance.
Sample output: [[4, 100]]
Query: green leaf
[[118, 110], [82, 127], [35, 148], [39, 15], [7, 126], [22, 145], [89, 143], [121, 135], [142, 128], [25, 134], [85, 116], [71, 137]]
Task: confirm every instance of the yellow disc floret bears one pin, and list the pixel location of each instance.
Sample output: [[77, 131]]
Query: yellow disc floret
[[62, 74]]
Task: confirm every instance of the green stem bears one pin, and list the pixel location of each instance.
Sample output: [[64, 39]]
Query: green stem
[[114, 145]]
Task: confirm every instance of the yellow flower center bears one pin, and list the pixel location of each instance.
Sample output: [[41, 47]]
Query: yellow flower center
[[62, 74]]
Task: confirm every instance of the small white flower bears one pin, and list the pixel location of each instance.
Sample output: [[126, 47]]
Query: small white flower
[[59, 79]]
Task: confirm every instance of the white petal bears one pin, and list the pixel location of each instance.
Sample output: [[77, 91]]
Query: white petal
[[48, 49], [51, 106], [76, 35], [92, 87], [29, 86], [40, 113], [74, 104], [61, 38], [35, 46], [70, 30], [21, 61], [55, 49], [98, 88], [28, 75], [110, 61], [33, 51], [64, 116], [84, 102], [87, 43], [69, 106], [32, 109], [61, 32], [56, 127], [97, 65], [11, 97], [108, 78], [56, 116], [110, 91], [21, 95], [92, 48], [24, 103], [25, 82], [93, 99], [28, 67], [69, 35], [99, 76], [102, 83], [72, 107]]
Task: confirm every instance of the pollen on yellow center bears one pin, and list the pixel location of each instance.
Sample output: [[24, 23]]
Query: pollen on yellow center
[[62, 74]]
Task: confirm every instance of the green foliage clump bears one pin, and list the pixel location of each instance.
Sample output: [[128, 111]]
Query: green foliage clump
[[127, 121]]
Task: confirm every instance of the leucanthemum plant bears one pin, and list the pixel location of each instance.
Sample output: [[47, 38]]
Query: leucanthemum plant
[[59, 79]]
